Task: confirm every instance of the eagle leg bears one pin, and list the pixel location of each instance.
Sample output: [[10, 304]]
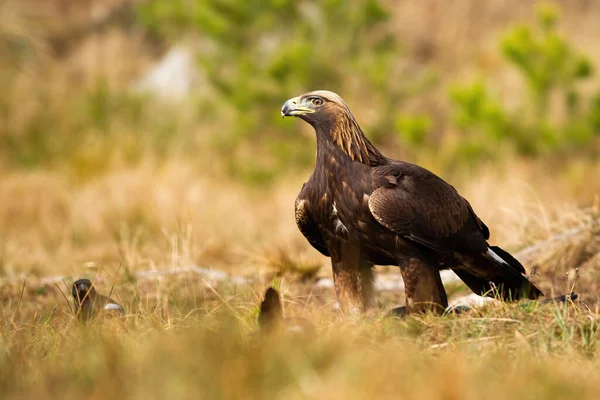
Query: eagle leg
[[353, 278], [424, 288]]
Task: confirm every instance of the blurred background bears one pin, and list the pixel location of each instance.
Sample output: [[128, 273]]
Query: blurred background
[[147, 133]]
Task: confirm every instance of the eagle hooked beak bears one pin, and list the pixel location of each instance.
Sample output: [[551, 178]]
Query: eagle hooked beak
[[296, 107]]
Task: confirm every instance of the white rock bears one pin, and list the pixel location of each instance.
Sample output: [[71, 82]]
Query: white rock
[[173, 77], [471, 300]]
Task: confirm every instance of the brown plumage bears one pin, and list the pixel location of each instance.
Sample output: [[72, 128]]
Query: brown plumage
[[271, 319], [361, 208], [88, 302]]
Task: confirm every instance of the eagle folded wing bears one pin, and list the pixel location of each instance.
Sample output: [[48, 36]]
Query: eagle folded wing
[[417, 205], [308, 227]]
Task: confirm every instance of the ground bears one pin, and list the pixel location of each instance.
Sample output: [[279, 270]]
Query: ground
[[190, 259]]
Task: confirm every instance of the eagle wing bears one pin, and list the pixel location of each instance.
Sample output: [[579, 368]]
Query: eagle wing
[[418, 205], [307, 226]]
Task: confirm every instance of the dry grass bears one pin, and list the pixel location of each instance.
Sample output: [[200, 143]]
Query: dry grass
[[187, 336], [159, 351], [174, 214]]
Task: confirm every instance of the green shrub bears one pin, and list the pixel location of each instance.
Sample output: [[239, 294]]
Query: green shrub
[[86, 132], [256, 54], [551, 69], [413, 129]]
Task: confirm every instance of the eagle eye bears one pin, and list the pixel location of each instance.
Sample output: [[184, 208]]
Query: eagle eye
[[317, 101]]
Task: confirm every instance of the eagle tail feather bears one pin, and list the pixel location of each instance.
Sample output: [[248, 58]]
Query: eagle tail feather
[[507, 258], [498, 273]]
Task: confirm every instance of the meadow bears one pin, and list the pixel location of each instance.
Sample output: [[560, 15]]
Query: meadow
[[182, 207]]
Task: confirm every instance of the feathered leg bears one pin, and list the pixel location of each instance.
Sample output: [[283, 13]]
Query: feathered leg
[[424, 288], [353, 279]]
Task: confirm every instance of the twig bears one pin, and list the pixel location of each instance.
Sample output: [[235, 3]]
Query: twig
[[16, 313], [516, 321], [115, 278], [65, 296], [446, 344], [80, 308], [225, 302]]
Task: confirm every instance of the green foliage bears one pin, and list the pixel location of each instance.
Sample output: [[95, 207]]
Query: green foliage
[[551, 70], [85, 132], [256, 54], [546, 60], [480, 115], [413, 129]]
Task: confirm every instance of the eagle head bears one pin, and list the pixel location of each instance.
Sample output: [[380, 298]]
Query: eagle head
[[333, 122], [320, 107]]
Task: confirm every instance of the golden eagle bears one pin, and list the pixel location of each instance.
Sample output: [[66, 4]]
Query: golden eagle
[[361, 208]]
